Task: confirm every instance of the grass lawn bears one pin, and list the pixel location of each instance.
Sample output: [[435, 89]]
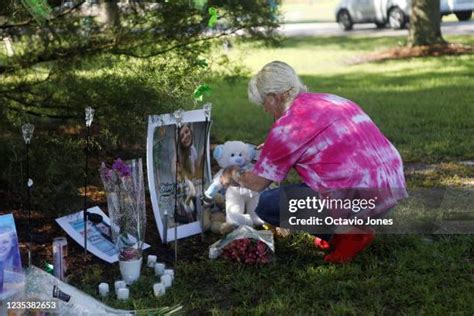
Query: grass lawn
[[425, 106]]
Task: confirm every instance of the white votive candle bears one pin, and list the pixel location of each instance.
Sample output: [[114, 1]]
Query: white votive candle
[[151, 261], [123, 293], [159, 289], [104, 289], [159, 268], [119, 285], [169, 272], [166, 280]]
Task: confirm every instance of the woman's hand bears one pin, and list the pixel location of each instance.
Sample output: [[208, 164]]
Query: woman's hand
[[246, 179], [260, 146], [227, 176]]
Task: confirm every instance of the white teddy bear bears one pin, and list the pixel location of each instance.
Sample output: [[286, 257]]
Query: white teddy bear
[[240, 203]]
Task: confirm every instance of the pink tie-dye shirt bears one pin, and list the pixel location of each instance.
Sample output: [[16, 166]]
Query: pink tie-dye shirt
[[332, 144]]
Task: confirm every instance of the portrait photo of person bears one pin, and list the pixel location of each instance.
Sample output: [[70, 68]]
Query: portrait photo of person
[[10, 260], [178, 156], [187, 153]]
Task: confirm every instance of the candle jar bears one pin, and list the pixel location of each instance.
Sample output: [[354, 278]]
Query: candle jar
[[169, 272], [119, 285], [104, 289], [123, 293], [166, 280], [151, 261], [159, 289], [159, 269]]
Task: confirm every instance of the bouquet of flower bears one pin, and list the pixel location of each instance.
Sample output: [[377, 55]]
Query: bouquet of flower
[[245, 245], [248, 251], [124, 186]]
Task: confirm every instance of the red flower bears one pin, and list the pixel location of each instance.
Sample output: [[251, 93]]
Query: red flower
[[248, 251]]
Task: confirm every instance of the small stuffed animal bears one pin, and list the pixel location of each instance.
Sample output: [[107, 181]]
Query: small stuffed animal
[[214, 216], [240, 203]]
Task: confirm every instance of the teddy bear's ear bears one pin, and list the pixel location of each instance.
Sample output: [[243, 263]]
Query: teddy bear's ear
[[252, 152], [218, 151]]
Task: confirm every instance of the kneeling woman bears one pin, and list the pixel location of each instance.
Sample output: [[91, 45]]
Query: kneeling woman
[[336, 149]]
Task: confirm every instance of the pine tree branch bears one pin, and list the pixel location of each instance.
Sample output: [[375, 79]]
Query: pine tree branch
[[29, 108], [30, 20], [169, 49]]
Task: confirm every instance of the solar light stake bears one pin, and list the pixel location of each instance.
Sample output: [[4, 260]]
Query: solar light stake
[[27, 131], [89, 117]]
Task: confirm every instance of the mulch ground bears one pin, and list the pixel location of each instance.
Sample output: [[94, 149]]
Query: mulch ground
[[44, 229], [404, 52]]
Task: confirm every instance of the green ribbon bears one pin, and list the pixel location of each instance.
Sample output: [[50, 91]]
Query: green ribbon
[[39, 9], [200, 91], [48, 267], [212, 17]]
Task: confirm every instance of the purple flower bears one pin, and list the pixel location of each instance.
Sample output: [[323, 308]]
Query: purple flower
[[122, 168]]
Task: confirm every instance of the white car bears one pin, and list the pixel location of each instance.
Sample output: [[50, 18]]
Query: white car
[[461, 8], [394, 12]]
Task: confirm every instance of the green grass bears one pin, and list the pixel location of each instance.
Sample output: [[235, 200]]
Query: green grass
[[425, 107], [396, 275]]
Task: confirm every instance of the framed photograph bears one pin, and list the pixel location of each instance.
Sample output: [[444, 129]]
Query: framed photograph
[[11, 272], [178, 164]]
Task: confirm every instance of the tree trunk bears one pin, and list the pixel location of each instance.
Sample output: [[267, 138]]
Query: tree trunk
[[425, 23]]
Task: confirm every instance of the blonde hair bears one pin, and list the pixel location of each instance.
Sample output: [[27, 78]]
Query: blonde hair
[[275, 77]]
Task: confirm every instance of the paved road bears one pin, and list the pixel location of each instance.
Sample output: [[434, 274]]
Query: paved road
[[332, 29]]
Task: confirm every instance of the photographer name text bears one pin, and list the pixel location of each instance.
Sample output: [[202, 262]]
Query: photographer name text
[[317, 221]]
